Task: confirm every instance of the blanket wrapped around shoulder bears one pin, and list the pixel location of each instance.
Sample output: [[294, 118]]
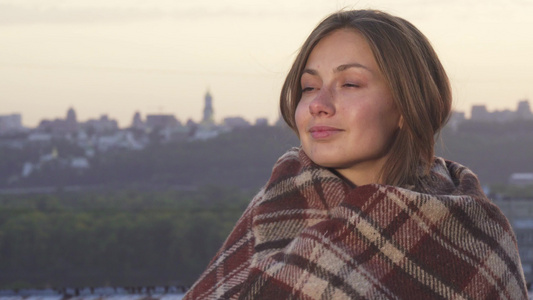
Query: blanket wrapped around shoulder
[[310, 234]]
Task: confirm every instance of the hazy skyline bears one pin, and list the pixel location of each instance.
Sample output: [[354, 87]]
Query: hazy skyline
[[119, 57]]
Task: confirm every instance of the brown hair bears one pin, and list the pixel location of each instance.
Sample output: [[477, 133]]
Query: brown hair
[[416, 78]]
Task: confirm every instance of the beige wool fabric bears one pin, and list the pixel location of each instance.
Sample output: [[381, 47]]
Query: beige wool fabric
[[309, 234]]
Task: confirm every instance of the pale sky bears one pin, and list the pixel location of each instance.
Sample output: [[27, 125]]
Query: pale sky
[[117, 57]]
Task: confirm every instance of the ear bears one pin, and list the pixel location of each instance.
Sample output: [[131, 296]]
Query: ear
[[400, 122]]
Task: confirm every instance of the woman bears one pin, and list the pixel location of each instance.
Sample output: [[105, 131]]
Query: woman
[[363, 209]]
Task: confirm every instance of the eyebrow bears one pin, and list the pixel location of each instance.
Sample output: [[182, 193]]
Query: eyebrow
[[352, 65], [340, 68]]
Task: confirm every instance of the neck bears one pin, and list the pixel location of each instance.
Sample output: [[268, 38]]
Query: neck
[[364, 173]]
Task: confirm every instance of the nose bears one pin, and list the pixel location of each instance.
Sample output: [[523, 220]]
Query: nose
[[322, 104]]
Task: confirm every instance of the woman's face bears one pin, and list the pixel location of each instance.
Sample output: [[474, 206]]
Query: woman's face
[[346, 118]]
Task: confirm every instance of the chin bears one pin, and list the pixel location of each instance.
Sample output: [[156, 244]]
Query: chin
[[326, 162]]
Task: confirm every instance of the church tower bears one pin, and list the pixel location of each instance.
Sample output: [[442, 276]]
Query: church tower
[[208, 119], [71, 122], [71, 116], [137, 121]]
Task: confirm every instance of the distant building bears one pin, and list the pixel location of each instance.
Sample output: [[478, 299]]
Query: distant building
[[521, 179], [11, 123], [207, 128], [39, 137], [236, 122], [61, 126], [520, 214], [208, 119], [118, 140], [280, 122], [523, 111], [80, 163], [49, 156], [191, 124], [479, 113], [27, 169], [161, 121], [137, 122], [456, 118], [104, 124], [502, 116], [202, 134], [261, 122], [71, 120]]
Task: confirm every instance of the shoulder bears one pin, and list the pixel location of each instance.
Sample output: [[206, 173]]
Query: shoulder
[[291, 155], [447, 177], [459, 191], [288, 165]]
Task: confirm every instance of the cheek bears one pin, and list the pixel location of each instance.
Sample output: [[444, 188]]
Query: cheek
[[392, 117], [389, 125], [300, 116], [371, 120]]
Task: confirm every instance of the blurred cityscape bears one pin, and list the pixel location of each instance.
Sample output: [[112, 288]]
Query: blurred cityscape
[[104, 134], [95, 137]]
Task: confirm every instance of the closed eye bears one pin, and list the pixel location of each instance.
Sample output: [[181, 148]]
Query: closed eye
[[307, 89], [351, 85]]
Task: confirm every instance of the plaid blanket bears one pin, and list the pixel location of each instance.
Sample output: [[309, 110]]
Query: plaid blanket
[[310, 234]]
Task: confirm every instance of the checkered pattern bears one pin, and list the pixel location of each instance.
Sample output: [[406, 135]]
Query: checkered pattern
[[311, 235]]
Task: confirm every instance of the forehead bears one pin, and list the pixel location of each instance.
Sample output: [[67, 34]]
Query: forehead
[[341, 46]]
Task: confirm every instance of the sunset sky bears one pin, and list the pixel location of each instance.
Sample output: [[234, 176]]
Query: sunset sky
[[117, 57]]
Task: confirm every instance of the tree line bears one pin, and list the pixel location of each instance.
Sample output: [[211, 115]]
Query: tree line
[[113, 238]]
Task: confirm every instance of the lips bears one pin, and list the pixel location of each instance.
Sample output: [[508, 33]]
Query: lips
[[323, 132]]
